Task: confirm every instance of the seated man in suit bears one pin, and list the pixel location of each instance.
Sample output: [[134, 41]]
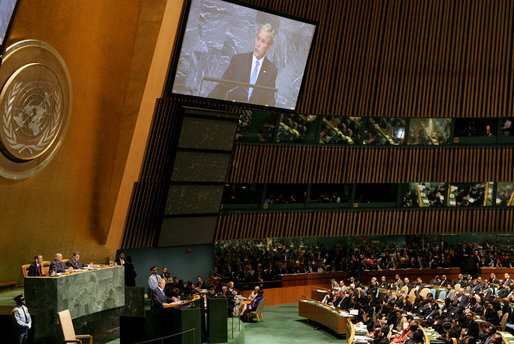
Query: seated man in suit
[[159, 299], [58, 266], [458, 280], [462, 298], [75, 262], [493, 279], [507, 281], [251, 68], [36, 268]]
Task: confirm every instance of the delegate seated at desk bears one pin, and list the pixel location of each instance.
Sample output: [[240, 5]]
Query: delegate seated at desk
[[75, 262], [58, 265], [36, 268], [159, 299]]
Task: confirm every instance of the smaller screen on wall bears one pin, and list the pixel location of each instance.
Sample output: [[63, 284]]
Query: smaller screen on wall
[[7, 8], [236, 53]]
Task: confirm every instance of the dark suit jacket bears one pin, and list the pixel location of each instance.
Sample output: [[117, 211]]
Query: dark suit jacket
[[158, 298], [75, 265], [342, 303], [34, 270], [472, 327], [58, 266], [240, 70], [464, 300]]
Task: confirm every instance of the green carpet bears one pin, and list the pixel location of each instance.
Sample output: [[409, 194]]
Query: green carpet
[[282, 325]]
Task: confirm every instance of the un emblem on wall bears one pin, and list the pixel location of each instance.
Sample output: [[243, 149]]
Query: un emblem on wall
[[35, 107]]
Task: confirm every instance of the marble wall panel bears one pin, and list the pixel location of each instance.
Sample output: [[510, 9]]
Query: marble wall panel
[[193, 199], [203, 133], [200, 167]]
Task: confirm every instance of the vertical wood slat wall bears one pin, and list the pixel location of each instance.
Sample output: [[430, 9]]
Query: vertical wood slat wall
[[338, 164], [259, 225], [425, 58], [398, 58]]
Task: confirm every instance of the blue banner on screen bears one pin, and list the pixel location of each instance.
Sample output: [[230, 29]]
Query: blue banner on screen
[[236, 53], [6, 11]]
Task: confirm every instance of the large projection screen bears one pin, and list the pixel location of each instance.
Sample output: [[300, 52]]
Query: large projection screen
[[222, 40]]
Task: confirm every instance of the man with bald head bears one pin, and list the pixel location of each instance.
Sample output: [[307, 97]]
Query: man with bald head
[[58, 265]]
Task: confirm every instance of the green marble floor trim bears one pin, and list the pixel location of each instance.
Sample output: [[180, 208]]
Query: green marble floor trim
[[282, 325]]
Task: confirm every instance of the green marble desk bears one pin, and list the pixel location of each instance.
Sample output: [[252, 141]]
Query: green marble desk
[[83, 293]]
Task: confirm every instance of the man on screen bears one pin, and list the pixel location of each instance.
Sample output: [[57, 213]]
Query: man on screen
[[251, 68]]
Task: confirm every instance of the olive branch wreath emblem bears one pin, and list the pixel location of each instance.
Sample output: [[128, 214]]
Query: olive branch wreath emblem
[[10, 133]]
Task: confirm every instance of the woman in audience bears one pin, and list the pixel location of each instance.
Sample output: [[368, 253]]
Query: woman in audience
[[252, 306]]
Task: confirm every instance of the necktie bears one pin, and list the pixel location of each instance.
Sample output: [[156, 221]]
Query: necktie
[[253, 78], [25, 315]]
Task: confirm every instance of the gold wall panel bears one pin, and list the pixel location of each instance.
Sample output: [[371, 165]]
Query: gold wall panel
[[106, 45]]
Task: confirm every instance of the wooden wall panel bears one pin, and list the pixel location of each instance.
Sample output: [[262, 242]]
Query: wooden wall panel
[[234, 226], [410, 58], [256, 163]]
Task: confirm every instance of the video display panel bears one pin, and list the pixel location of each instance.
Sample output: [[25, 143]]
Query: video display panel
[[236, 53]]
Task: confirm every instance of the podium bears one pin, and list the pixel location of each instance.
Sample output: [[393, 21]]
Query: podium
[[185, 318], [217, 316], [87, 294]]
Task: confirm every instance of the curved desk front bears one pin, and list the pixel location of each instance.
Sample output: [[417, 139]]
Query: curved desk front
[[325, 315]]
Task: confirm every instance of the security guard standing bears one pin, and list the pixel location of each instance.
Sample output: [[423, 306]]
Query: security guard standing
[[154, 278], [22, 320]]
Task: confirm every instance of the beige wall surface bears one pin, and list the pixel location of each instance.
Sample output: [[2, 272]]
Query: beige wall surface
[[108, 47]]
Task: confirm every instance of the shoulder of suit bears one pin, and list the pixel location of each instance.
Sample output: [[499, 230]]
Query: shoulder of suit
[[242, 57], [269, 64]]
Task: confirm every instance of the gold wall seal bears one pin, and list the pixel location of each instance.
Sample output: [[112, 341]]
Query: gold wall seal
[[35, 107]]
